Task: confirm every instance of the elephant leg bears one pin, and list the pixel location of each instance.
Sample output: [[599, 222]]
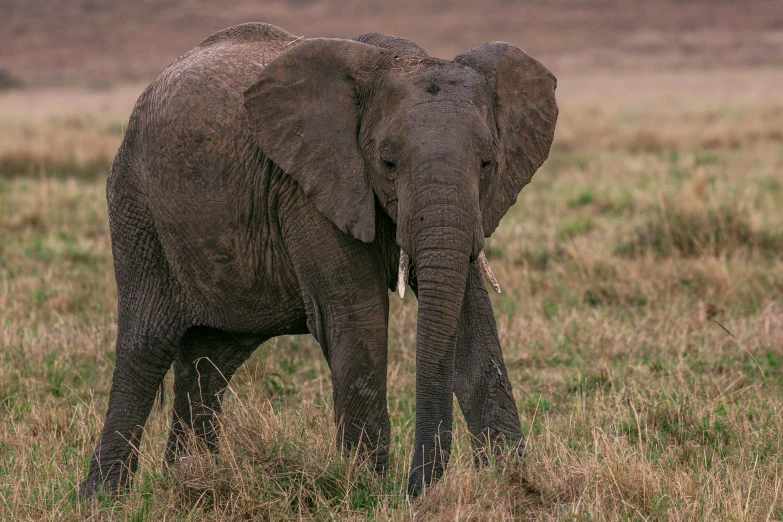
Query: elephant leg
[[145, 345], [344, 287], [150, 324], [482, 386], [203, 367], [356, 344]]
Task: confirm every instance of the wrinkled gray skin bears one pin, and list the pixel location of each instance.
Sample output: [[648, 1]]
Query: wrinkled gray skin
[[265, 186]]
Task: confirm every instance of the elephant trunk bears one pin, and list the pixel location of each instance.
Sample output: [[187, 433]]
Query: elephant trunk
[[443, 242]]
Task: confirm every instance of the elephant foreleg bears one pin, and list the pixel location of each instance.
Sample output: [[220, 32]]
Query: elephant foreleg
[[353, 336], [345, 293], [482, 386], [355, 344]]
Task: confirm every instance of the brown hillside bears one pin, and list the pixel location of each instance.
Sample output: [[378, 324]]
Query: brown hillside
[[103, 42]]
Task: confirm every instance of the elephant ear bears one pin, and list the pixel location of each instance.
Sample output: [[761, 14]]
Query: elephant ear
[[525, 115], [304, 113]]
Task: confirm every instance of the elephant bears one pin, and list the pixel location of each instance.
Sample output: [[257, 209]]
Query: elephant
[[272, 185]]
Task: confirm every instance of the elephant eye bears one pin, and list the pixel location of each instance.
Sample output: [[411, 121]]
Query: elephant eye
[[485, 166], [388, 162]]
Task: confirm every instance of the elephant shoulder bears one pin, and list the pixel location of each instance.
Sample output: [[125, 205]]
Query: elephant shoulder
[[230, 58], [207, 82], [192, 115]]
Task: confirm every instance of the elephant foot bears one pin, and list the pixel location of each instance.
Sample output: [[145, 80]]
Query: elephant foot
[[428, 465], [92, 486], [183, 442], [415, 483], [423, 477], [379, 458], [111, 477], [368, 452], [498, 444]]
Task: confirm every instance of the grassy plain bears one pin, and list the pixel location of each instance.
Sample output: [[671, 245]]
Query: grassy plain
[[641, 322]]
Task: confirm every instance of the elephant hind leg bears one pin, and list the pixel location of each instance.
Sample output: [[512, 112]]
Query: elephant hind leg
[[203, 367], [132, 395], [150, 324]]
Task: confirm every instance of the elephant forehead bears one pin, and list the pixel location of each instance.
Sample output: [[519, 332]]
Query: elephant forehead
[[449, 81], [457, 108], [456, 112]]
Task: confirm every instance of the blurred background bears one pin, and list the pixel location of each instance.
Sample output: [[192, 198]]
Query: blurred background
[[102, 43], [92, 58]]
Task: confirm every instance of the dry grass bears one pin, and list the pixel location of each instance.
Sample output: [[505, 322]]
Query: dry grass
[[60, 147], [641, 322]]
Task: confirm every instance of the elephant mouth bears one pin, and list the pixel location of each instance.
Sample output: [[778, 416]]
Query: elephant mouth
[[402, 272]]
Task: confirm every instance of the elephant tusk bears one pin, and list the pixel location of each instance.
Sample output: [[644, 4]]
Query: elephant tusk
[[402, 273], [487, 271]]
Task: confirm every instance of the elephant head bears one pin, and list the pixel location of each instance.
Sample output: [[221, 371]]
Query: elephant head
[[444, 147]]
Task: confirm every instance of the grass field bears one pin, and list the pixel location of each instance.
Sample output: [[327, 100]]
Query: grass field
[[641, 321]]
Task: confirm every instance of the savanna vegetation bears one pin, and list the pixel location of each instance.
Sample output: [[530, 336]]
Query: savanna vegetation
[[641, 321]]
